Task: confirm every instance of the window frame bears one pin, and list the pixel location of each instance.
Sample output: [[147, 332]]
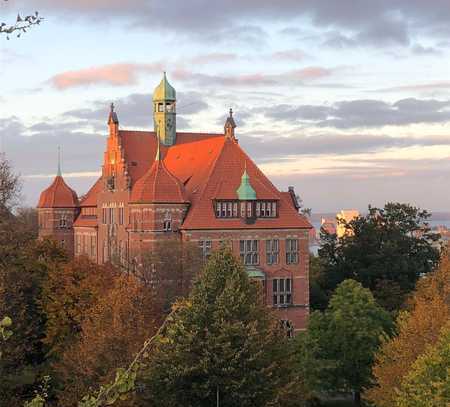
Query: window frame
[[292, 251], [249, 252], [282, 291]]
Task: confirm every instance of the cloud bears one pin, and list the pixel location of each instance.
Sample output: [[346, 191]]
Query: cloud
[[421, 87], [378, 23], [363, 113], [271, 147], [122, 74], [289, 78]]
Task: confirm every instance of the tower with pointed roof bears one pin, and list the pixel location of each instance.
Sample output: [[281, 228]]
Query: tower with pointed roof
[[58, 208], [230, 125], [164, 112]]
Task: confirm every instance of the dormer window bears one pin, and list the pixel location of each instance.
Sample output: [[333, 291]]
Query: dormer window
[[167, 224], [246, 209]]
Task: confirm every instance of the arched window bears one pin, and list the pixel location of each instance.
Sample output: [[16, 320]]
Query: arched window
[[63, 221], [167, 224]]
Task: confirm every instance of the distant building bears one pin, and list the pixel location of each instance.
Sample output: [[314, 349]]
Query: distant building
[[328, 225], [344, 216], [168, 185]]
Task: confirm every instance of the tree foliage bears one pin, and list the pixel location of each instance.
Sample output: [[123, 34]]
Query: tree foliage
[[418, 327], [387, 251], [222, 343], [428, 382], [338, 349]]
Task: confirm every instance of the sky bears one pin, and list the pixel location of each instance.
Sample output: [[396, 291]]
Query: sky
[[348, 101]]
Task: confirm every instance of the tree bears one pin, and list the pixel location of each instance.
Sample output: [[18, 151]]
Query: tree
[[417, 327], [428, 382], [318, 298], [21, 25], [9, 185], [387, 251], [24, 355], [222, 342], [112, 332], [343, 339]]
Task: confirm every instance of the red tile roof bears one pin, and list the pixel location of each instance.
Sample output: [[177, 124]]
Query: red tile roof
[[199, 169], [158, 185], [90, 199], [58, 195]]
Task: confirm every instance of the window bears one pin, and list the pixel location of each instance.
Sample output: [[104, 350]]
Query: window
[[63, 222], [272, 251], [111, 216], [160, 107], [93, 244], [249, 210], [282, 291], [287, 327], [227, 209], [104, 219], [205, 246], [121, 216], [78, 244], [249, 252], [242, 209], [291, 251]]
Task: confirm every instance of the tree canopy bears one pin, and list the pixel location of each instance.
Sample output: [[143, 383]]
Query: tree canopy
[[222, 342], [418, 327], [338, 349], [387, 251]]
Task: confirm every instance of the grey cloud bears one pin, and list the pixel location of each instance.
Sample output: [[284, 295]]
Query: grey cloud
[[271, 147], [364, 113], [378, 22]]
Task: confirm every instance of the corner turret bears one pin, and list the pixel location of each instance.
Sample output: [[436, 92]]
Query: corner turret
[[164, 112]]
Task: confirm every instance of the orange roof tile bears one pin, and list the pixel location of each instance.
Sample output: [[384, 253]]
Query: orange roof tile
[[158, 185], [90, 199], [58, 195]]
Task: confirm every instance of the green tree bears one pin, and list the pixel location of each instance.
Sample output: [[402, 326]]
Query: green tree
[[222, 342], [387, 251], [340, 344], [428, 382]]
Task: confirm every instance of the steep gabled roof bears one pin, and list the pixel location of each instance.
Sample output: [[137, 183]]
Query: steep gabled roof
[[223, 180], [90, 199], [58, 195]]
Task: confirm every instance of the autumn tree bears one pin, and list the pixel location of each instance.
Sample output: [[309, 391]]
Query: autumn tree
[[223, 343], [21, 279], [417, 327], [339, 347], [68, 293], [111, 333], [387, 251], [427, 384]]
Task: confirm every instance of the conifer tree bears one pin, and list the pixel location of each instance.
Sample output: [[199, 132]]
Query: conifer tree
[[223, 344]]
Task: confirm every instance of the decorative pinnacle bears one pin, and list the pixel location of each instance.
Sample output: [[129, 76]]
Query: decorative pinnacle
[[112, 107], [231, 112], [59, 174]]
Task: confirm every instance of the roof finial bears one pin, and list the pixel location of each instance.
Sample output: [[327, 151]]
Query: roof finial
[[59, 174], [231, 112], [113, 119], [112, 107]]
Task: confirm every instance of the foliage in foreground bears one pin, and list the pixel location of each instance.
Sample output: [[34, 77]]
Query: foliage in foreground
[[417, 328], [428, 382], [222, 343], [337, 351]]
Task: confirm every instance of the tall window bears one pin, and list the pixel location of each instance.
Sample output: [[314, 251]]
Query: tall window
[[249, 252], [93, 244], [63, 222], [282, 291], [121, 215], [291, 251], [205, 246], [272, 251], [167, 224], [104, 216], [227, 209], [111, 216]]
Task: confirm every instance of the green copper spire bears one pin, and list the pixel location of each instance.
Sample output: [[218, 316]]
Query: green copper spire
[[165, 91], [245, 191], [164, 112]]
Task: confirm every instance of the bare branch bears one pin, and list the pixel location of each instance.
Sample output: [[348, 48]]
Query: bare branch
[[21, 26]]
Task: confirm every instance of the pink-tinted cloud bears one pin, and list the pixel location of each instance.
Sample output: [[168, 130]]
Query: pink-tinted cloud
[[256, 79], [289, 55], [122, 74]]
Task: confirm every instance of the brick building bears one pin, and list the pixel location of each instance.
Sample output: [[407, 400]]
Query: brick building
[[190, 186]]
